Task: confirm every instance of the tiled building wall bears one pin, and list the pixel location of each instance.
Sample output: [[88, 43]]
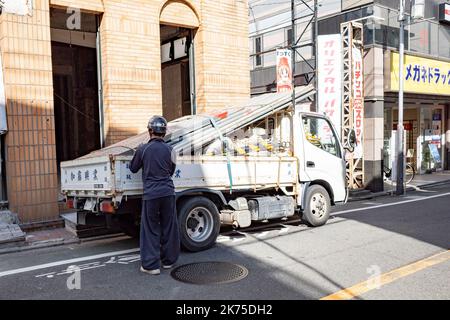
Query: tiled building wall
[[30, 142]]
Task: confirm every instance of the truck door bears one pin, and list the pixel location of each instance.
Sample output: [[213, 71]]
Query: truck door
[[323, 156]]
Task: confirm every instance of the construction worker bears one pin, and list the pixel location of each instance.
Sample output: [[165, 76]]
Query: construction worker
[[159, 239]]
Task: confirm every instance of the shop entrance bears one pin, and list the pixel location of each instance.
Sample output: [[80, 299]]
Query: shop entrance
[[75, 85], [424, 136], [177, 71]]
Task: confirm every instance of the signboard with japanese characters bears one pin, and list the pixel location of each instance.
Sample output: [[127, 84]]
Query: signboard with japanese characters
[[358, 101], [444, 13], [329, 68], [421, 75], [284, 70]]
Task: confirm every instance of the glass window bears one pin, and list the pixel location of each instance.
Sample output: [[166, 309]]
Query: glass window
[[319, 132], [258, 47], [289, 36]]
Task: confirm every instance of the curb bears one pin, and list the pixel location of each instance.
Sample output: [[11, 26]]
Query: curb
[[387, 193], [57, 242]]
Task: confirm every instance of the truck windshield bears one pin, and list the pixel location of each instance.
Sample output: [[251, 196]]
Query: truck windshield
[[319, 132]]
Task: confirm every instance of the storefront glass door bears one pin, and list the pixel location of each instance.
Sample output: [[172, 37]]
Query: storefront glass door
[[432, 139]]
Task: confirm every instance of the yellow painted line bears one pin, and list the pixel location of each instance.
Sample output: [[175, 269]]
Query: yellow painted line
[[368, 285]]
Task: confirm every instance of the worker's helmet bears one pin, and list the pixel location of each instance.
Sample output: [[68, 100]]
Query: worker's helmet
[[157, 124]]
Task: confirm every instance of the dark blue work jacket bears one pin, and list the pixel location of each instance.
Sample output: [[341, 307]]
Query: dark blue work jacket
[[155, 159]]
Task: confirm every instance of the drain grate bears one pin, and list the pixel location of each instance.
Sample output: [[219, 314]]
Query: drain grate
[[209, 272]]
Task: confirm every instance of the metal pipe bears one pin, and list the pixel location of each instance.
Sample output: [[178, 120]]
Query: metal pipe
[[101, 115], [400, 190], [293, 50]]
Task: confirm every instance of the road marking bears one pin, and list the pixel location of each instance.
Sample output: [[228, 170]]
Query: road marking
[[389, 277], [63, 262], [391, 204]]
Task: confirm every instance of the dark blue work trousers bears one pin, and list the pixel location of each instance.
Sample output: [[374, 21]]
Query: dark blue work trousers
[[160, 238]]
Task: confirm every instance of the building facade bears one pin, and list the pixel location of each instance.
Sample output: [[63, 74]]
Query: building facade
[[426, 71], [79, 75]]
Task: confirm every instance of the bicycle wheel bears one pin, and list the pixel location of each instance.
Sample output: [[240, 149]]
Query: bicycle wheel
[[410, 172]]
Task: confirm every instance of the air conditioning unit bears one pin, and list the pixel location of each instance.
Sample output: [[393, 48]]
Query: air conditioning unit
[[165, 52], [418, 9], [180, 48]]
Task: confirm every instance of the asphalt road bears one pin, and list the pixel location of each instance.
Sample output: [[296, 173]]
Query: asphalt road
[[385, 248]]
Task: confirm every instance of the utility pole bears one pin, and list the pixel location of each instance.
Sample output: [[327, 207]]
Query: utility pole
[[400, 157]]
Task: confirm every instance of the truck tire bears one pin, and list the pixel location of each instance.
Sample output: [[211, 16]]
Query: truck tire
[[199, 223], [317, 206]]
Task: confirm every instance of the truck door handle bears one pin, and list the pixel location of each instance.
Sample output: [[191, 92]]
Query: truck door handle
[[310, 164]]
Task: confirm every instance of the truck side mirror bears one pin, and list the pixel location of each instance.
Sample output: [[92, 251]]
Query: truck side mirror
[[351, 140]]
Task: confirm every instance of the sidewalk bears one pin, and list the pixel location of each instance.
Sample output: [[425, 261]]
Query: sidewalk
[[420, 181]]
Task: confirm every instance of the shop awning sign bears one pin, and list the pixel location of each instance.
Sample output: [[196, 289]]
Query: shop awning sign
[[421, 75]]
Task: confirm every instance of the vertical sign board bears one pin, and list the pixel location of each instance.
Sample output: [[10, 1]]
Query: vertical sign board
[[3, 125], [284, 70], [358, 101], [329, 66]]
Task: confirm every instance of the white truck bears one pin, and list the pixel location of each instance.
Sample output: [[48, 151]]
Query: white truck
[[258, 161]]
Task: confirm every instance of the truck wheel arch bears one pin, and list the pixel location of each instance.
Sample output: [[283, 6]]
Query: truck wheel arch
[[215, 196], [322, 183]]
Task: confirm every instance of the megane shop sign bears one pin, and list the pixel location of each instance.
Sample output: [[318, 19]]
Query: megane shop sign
[[421, 75], [444, 13]]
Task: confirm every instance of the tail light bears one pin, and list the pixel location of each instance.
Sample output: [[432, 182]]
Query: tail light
[[70, 203], [107, 206]]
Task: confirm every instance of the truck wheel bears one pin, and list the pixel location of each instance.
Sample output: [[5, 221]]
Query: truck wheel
[[317, 206], [199, 223]]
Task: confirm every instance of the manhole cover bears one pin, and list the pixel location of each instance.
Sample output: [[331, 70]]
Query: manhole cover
[[209, 273]]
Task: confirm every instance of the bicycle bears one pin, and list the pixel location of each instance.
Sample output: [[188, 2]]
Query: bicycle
[[410, 172]]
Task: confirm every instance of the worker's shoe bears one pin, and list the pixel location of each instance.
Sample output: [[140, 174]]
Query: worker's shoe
[[168, 266], [152, 272]]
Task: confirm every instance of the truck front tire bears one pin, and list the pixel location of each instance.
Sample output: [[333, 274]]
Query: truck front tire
[[317, 206], [199, 223]]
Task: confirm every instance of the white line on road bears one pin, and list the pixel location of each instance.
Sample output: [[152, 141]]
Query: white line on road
[[63, 262], [391, 204], [115, 253]]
